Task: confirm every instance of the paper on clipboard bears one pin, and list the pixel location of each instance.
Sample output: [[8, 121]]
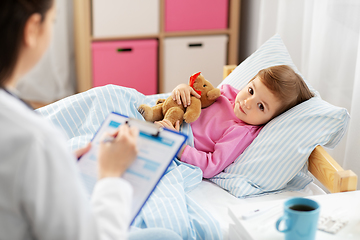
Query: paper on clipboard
[[157, 147]]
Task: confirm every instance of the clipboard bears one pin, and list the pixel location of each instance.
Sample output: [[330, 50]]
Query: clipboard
[[157, 148]]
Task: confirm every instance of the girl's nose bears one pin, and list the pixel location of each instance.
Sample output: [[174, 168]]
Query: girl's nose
[[247, 103]]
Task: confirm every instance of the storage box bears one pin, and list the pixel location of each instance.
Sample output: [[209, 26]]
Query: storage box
[[188, 15], [127, 63], [113, 18], [184, 56]]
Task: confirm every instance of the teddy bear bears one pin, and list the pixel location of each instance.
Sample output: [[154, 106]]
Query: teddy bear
[[169, 109]]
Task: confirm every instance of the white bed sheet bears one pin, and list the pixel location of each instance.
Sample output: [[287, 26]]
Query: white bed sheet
[[217, 200]]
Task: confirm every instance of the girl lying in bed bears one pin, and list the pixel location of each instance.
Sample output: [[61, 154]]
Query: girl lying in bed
[[226, 128]]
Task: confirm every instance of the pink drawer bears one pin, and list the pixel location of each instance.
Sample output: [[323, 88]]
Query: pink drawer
[[187, 15], [126, 63]]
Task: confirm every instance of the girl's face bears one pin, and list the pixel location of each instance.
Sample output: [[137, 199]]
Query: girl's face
[[255, 104]]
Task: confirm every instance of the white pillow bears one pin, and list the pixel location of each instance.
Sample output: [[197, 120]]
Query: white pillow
[[276, 159]]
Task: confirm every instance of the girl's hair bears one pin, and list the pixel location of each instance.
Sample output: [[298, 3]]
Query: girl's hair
[[13, 17], [286, 85]]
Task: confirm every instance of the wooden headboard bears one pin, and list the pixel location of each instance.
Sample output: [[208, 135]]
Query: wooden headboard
[[322, 166]]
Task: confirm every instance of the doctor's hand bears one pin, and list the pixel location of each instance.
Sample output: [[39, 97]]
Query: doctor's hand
[[117, 154], [81, 151]]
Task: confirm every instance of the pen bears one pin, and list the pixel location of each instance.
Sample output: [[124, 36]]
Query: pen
[[111, 138], [108, 139]]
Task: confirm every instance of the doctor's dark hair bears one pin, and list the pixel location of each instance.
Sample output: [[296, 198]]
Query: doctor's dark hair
[[287, 86], [13, 17]]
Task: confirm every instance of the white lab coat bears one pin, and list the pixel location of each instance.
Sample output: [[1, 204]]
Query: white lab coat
[[41, 193]]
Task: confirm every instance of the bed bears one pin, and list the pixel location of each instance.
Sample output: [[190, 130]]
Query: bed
[[275, 166], [329, 176]]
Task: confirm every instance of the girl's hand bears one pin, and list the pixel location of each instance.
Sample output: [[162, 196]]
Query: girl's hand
[[116, 156], [182, 94], [166, 123]]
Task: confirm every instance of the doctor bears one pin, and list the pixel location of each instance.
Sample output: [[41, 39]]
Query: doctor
[[42, 196]]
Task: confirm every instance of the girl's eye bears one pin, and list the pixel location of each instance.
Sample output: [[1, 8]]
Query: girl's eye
[[251, 91], [261, 106], [204, 85]]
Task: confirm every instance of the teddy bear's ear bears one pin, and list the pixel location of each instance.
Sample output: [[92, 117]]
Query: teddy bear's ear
[[192, 82], [193, 78]]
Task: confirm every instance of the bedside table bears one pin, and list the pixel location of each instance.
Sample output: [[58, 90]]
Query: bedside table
[[342, 206]]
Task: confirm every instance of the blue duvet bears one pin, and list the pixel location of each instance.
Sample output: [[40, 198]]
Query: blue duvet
[[169, 206]]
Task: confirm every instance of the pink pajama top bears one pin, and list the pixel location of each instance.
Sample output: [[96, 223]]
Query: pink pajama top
[[219, 136]]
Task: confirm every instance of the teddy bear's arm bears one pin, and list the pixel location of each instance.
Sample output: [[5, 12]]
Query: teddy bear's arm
[[213, 94], [160, 100]]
